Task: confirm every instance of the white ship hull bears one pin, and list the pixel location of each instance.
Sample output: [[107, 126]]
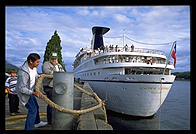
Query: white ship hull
[[138, 97]]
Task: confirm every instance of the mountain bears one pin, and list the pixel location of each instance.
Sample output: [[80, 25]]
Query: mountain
[[8, 66]]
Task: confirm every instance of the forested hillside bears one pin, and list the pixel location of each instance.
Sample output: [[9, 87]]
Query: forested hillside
[[182, 75]]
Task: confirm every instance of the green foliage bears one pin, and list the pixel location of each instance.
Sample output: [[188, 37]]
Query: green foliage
[[182, 75], [53, 45]]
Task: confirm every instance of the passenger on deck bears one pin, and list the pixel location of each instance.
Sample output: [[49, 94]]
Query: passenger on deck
[[110, 48], [106, 48], [102, 48], [116, 48], [132, 48], [126, 48]]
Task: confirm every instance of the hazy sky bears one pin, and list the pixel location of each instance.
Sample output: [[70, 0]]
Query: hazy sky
[[29, 28]]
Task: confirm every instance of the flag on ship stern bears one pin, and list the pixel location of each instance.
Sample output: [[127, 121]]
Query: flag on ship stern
[[173, 54]]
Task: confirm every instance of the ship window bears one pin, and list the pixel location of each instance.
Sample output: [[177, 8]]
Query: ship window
[[98, 73], [94, 73]]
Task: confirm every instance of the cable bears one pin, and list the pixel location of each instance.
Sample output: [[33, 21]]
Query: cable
[[139, 41], [148, 43], [114, 37]]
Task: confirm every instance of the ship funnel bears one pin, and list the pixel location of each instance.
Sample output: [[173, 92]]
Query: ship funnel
[[98, 33]]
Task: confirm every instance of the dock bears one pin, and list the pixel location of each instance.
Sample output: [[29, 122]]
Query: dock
[[94, 120]]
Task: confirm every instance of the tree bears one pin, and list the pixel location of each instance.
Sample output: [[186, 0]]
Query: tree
[[53, 45]]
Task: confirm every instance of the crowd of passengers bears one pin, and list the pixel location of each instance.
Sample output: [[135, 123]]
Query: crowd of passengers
[[111, 48]]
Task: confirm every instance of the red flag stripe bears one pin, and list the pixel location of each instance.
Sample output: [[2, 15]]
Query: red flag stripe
[[174, 55]]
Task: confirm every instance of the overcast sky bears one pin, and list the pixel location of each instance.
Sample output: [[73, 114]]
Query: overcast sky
[[29, 28]]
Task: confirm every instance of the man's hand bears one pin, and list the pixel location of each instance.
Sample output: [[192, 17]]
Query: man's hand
[[8, 91], [36, 93]]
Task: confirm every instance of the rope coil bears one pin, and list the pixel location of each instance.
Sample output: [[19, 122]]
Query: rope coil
[[65, 110]]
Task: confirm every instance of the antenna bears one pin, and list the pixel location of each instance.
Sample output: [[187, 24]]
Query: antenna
[[123, 36]]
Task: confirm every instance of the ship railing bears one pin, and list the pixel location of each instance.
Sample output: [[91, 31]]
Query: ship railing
[[129, 49], [107, 49], [127, 59], [91, 53], [110, 60], [123, 49]]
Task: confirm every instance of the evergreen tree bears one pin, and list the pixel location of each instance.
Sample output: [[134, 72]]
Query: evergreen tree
[[54, 46]]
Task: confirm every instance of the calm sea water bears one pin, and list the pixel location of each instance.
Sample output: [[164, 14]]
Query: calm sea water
[[173, 115]]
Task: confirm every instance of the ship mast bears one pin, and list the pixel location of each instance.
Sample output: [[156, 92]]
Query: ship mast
[[123, 36]]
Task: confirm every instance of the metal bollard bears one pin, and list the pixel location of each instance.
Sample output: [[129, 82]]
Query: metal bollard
[[62, 95]]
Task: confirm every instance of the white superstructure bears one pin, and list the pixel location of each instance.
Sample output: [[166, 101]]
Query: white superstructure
[[129, 79]]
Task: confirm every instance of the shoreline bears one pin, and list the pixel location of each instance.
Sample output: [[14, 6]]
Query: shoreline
[[179, 79]]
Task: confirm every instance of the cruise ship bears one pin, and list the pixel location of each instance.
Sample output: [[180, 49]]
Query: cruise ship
[[131, 81]]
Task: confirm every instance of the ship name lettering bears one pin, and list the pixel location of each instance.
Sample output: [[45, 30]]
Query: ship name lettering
[[154, 88]]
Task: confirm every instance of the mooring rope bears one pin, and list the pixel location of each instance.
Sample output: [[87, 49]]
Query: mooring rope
[[66, 110], [160, 103]]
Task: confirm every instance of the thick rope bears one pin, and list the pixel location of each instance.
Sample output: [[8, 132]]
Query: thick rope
[[160, 104], [65, 110]]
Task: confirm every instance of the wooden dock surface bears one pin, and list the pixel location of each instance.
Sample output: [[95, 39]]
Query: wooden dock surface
[[90, 121]]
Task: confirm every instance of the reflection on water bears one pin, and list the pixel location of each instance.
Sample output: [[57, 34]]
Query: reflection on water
[[126, 122]]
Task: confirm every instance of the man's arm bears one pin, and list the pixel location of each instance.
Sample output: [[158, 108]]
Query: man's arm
[[60, 68], [7, 85], [23, 85], [47, 69]]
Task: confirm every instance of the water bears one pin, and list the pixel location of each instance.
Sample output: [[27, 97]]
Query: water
[[173, 115]]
